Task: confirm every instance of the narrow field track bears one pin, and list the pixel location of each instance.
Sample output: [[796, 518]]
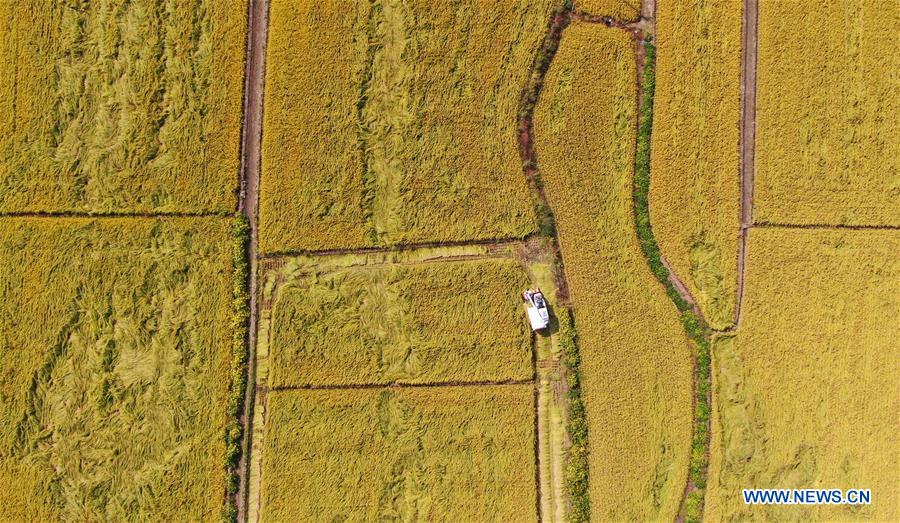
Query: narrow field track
[[437, 384], [834, 226], [251, 141], [544, 57], [748, 141], [112, 215]]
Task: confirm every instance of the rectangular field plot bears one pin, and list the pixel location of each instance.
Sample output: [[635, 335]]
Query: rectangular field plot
[[115, 344], [635, 358], [420, 323], [392, 122], [806, 394], [828, 114], [114, 107], [404, 454]]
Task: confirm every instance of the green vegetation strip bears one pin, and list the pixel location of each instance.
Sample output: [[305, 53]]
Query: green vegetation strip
[[696, 328], [576, 426], [238, 372]]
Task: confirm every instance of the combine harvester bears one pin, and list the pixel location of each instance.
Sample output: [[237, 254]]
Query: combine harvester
[[538, 315]]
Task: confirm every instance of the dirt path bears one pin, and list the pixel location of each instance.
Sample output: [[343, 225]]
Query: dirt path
[[550, 450], [748, 140], [251, 154]]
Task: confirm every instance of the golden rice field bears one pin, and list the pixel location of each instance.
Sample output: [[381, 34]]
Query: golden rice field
[[624, 10], [694, 192], [421, 323], [394, 121], [120, 106], [806, 393], [115, 344], [400, 454], [828, 116], [635, 358]]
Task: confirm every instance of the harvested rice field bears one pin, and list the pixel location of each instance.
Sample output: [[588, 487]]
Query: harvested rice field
[[828, 115], [694, 190], [806, 392], [394, 122], [116, 336], [635, 358], [120, 106], [408, 454], [397, 323]]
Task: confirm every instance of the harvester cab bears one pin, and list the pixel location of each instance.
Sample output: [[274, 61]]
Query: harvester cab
[[538, 315]]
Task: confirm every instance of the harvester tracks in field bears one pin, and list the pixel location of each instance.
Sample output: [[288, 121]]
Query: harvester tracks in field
[[251, 156]]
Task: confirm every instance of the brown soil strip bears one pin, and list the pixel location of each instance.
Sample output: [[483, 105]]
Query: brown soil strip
[[251, 153], [436, 384], [111, 215], [681, 287], [748, 140], [763, 225]]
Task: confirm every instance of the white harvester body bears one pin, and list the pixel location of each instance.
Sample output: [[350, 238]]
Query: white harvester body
[[536, 305]]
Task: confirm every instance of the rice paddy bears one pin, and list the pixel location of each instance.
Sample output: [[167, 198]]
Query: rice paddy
[[624, 10], [695, 156], [395, 373], [394, 122], [419, 323], [635, 358], [120, 106], [806, 393], [407, 454], [828, 132], [116, 340]]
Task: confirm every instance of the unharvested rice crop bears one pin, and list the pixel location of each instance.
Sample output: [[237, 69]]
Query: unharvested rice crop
[[635, 358], [623, 10], [695, 188], [394, 121], [400, 454], [115, 340], [828, 114], [120, 106], [425, 323], [806, 394]]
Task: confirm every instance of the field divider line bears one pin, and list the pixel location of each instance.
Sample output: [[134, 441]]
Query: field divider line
[[747, 166], [113, 215], [363, 386], [499, 243], [248, 202], [826, 226]]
